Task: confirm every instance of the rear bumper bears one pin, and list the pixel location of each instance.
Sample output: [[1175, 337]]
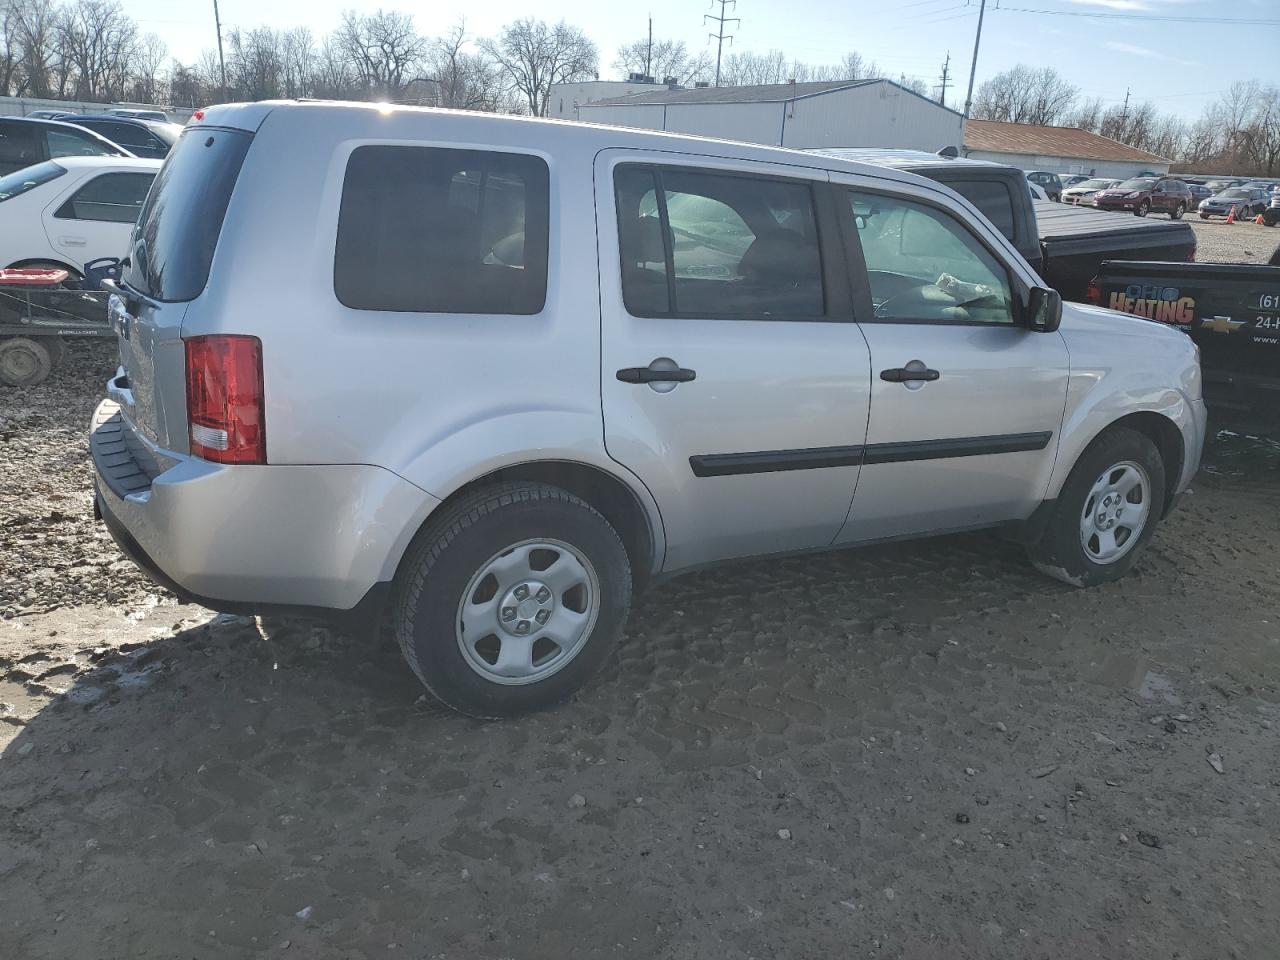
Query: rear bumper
[[252, 537]]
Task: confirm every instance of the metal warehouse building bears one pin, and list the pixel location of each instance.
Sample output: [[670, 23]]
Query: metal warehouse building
[[842, 113], [1061, 150]]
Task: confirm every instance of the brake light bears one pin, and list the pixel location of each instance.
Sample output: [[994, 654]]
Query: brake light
[[198, 116], [1094, 293], [225, 413]]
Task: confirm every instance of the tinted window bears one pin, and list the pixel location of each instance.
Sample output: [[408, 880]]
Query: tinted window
[[428, 230], [19, 145], [992, 197], [716, 245], [925, 265], [173, 244], [28, 178], [73, 143], [112, 198]]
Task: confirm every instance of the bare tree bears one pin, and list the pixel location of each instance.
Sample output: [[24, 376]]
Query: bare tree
[[148, 69], [333, 77], [297, 63], [1087, 115], [383, 49], [464, 79], [98, 43], [35, 23], [255, 63], [750, 69], [1025, 95], [534, 55], [665, 59]]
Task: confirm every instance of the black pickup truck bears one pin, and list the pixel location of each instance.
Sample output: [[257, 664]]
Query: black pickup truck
[[1066, 244], [1232, 310]]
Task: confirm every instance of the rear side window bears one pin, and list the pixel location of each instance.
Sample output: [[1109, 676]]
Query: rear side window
[[110, 198], [436, 230], [717, 245], [28, 178], [173, 244], [992, 198], [19, 145], [72, 143]]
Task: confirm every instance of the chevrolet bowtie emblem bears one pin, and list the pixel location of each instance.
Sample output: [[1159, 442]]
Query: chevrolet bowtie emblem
[[1221, 324]]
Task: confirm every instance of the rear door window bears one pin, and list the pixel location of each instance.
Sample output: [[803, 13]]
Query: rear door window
[[697, 244], [173, 244], [109, 198], [76, 143], [436, 230]]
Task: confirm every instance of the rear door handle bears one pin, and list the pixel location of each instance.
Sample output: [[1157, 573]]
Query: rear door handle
[[906, 374], [72, 241], [656, 375]]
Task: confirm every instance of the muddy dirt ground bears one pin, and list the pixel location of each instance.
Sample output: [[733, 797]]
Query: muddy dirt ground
[[920, 751]]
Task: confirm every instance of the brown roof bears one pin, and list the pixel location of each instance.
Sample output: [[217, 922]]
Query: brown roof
[[1001, 137]]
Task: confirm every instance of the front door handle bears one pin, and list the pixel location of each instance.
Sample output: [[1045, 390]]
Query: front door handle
[[72, 241], [908, 374], [652, 374]]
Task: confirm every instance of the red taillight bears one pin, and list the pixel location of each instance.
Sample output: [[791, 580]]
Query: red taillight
[[1094, 293], [198, 116], [225, 400]]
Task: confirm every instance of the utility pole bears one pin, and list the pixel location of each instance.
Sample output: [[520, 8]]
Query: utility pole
[[1124, 117], [222, 64], [648, 51], [720, 36], [946, 72], [968, 100]]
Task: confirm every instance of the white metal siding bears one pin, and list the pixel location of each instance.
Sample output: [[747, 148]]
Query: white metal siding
[[1120, 169], [876, 115]]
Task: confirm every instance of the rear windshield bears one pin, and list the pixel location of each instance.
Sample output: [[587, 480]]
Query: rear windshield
[[28, 178], [178, 228]]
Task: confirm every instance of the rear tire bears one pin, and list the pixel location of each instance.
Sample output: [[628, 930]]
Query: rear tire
[[24, 361], [1100, 525], [460, 615], [1204, 216], [1178, 211]]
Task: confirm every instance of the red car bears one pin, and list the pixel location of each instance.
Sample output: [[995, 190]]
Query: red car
[[1143, 195]]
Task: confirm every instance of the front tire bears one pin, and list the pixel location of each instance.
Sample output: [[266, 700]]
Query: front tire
[[1105, 513], [1143, 209], [512, 600]]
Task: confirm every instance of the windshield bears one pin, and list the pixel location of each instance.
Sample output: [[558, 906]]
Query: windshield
[[28, 178], [168, 132], [1095, 184], [1236, 193], [1137, 183], [172, 245]]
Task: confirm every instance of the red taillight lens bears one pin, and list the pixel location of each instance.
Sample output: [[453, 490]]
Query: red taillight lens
[[225, 414], [1094, 293]]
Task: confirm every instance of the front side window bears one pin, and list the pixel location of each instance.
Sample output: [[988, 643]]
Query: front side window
[[717, 245], [435, 230], [110, 198], [63, 143], [924, 265]]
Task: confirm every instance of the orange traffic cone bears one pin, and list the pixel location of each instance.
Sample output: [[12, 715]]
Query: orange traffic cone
[[1259, 221], [1231, 217]]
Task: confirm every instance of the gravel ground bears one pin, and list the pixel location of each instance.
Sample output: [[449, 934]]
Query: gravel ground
[[1220, 242], [923, 750]]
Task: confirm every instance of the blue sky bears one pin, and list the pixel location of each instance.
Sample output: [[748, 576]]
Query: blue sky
[[1178, 65]]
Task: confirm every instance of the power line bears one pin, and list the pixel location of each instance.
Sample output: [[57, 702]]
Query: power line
[[720, 36], [1150, 17]]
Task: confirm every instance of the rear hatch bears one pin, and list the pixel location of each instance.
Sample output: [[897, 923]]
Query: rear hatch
[[168, 266]]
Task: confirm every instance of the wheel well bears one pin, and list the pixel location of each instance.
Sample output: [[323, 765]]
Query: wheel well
[[50, 261], [1164, 433], [613, 498]]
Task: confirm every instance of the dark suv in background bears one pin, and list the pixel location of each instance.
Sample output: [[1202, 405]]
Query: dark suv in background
[[1145, 195], [1050, 183]]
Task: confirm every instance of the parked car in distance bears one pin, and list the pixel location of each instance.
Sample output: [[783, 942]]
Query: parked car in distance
[[698, 325], [47, 114], [1037, 191], [1049, 182], [143, 138], [24, 141], [71, 211], [1074, 179], [1217, 186], [1084, 191], [158, 115], [1144, 195], [1246, 201], [1198, 191]]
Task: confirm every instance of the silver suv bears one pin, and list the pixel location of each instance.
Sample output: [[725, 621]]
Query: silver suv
[[498, 373]]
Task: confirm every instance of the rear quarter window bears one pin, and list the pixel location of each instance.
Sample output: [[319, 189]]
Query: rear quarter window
[[437, 230], [992, 197]]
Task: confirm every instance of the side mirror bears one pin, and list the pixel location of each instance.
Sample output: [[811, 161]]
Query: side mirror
[[1044, 310]]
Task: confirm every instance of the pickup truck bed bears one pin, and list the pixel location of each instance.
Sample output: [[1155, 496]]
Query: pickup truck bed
[[1231, 310], [1074, 242]]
